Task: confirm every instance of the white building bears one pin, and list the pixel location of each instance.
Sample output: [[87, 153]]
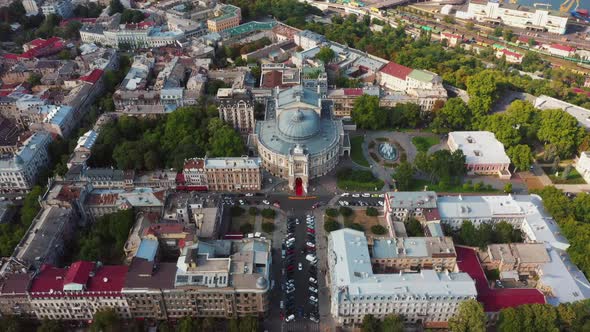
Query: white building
[[581, 114], [561, 50], [427, 297], [19, 172], [308, 39], [59, 120], [560, 279], [583, 165], [61, 8], [484, 154], [31, 7], [137, 36], [516, 16]]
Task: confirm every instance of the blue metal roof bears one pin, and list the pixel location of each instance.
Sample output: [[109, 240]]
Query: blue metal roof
[[147, 249]]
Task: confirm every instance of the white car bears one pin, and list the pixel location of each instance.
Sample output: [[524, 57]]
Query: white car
[[345, 195], [341, 203], [249, 194], [290, 290], [311, 245], [313, 299], [356, 195], [314, 319], [312, 280], [313, 289], [299, 266], [265, 202], [242, 202], [381, 195], [290, 318], [380, 203], [366, 195]]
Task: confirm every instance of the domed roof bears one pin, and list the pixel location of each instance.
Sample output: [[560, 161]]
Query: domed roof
[[299, 124], [261, 283]]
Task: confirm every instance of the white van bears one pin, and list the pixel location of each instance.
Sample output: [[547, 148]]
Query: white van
[[311, 258], [290, 318]]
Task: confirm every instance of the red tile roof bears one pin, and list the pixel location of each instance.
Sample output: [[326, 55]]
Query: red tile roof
[[82, 20], [510, 53], [93, 77], [194, 163], [272, 79], [106, 281], [79, 273], [160, 229], [563, 47], [353, 92], [451, 35], [396, 70], [493, 299]]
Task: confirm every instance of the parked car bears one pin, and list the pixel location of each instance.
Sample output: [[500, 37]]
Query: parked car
[[300, 267], [265, 202], [290, 318], [313, 289], [312, 280]]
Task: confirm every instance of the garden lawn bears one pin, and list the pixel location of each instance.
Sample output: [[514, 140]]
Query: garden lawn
[[356, 153], [422, 143], [358, 180], [418, 185]]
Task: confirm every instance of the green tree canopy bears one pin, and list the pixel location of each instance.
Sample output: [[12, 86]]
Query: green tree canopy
[[326, 54], [560, 129], [366, 112], [470, 317], [106, 320], [520, 156], [454, 115], [403, 176]]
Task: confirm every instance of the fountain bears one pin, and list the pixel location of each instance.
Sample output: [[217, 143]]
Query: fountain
[[387, 151]]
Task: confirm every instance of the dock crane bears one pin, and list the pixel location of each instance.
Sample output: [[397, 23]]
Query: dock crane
[[567, 5]]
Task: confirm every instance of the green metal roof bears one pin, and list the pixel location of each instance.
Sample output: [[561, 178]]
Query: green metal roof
[[250, 27], [421, 75]]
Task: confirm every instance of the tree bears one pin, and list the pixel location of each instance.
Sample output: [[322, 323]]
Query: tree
[[508, 188], [414, 228], [225, 141], [331, 225], [346, 211], [469, 26], [50, 326], [371, 212], [187, 324], [253, 211], [106, 320], [268, 227], [12, 324], [403, 176], [34, 79], [115, 6], [237, 211], [507, 34], [326, 54], [378, 230], [332, 212], [246, 228], [470, 317], [268, 213], [454, 115], [370, 324], [560, 129], [366, 112], [520, 156], [132, 16], [392, 323], [483, 91], [449, 19]]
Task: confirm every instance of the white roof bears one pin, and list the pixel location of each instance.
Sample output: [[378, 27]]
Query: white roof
[[352, 270], [567, 282], [87, 140], [233, 162], [581, 114], [480, 147], [482, 207]]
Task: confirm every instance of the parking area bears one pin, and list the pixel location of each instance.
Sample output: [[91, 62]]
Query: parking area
[[361, 199], [299, 305]]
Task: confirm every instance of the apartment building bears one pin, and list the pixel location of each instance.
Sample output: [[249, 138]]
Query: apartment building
[[484, 154], [236, 107], [524, 258], [105, 201], [429, 298], [19, 172], [79, 291], [535, 19], [226, 17], [223, 174], [61, 8], [14, 300], [391, 255], [402, 205], [59, 120], [138, 35], [343, 99]]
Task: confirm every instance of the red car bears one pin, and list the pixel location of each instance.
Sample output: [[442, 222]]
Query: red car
[[290, 251], [311, 230], [290, 267]]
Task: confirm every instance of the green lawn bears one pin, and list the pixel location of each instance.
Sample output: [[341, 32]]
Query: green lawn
[[356, 153], [418, 185], [358, 180], [424, 143], [573, 178]]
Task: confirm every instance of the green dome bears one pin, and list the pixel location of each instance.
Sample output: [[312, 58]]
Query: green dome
[[299, 124]]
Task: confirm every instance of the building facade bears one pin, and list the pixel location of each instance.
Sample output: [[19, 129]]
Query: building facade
[[484, 154], [236, 107], [391, 255], [226, 17], [223, 174], [427, 298], [19, 172], [299, 140], [516, 15]]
